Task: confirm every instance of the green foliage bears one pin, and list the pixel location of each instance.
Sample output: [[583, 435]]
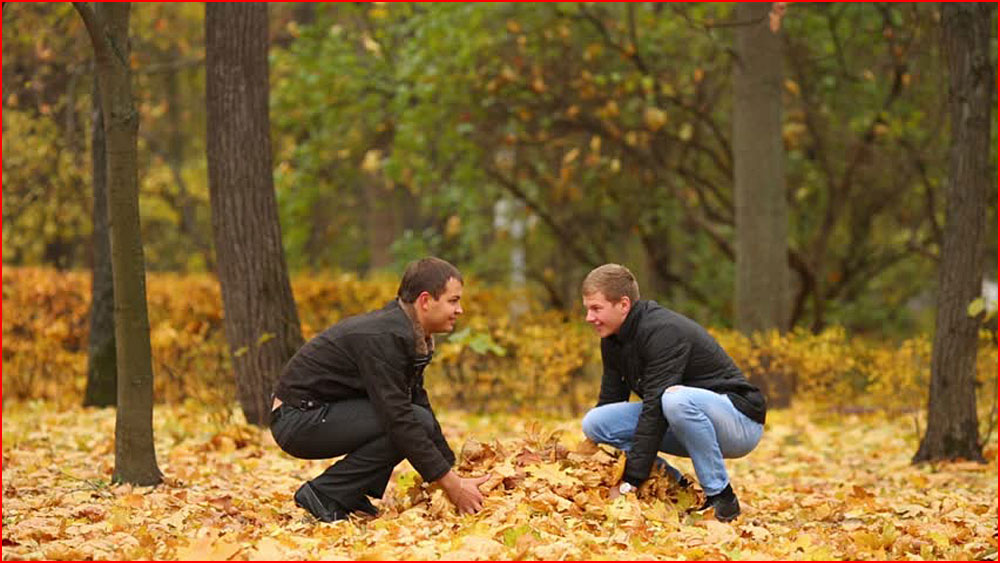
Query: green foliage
[[479, 342], [46, 196], [47, 134], [602, 130], [609, 126]]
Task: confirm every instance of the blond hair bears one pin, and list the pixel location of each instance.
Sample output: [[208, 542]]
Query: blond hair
[[614, 281]]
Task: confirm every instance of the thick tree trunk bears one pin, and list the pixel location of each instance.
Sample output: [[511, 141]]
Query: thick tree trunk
[[762, 276], [135, 456], [102, 379], [952, 424], [262, 324]]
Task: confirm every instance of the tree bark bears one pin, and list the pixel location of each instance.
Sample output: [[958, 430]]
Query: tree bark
[[383, 221], [952, 424], [135, 456], [102, 378], [762, 276], [261, 321]]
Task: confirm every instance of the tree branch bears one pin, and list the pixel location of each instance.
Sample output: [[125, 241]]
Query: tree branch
[[171, 66], [650, 244], [634, 36], [726, 215], [708, 26], [930, 201], [567, 238], [718, 238], [588, 16], [89, 18]]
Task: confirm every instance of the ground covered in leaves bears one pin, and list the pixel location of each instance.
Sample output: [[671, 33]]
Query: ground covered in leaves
[[816, 488]]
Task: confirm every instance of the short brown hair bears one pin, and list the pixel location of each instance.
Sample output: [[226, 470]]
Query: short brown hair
[[614, 281], [429, 274]]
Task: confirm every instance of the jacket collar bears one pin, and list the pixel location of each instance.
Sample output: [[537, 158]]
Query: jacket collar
[[423, 343], [627, 331]]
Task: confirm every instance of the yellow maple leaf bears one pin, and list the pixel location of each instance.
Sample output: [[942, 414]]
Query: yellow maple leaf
[[209, 548], [268, 549]]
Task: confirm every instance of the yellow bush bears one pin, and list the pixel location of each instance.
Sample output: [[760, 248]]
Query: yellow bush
[[540, 361]]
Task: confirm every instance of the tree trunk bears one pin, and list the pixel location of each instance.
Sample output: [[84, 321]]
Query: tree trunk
[[383, 221], [135, 456], [762, 276], [261, 322], [952, 424], [102, 379]]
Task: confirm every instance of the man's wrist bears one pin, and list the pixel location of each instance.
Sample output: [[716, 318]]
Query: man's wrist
[[448, 481]]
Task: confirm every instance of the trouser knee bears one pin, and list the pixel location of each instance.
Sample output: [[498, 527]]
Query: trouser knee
[[677, 405], [591, 425]]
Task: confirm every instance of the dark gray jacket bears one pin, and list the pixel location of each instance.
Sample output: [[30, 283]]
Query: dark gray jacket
[[656, 348], [375, 356]]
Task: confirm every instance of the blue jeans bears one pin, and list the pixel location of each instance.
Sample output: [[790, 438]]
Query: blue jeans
[[703, 425]]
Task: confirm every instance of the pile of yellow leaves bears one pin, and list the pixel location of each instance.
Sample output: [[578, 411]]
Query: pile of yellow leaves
[[813, 489]]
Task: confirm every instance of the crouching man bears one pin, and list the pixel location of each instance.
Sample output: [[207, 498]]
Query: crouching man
[[695, 401], [358, 389]]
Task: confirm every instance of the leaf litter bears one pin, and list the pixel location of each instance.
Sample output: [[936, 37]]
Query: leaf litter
[[814, 489]]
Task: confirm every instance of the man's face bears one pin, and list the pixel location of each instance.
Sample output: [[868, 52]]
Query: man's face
[[439, 315], [606, 316]]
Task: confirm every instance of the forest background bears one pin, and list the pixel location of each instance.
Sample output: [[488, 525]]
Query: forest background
[[526, 144]]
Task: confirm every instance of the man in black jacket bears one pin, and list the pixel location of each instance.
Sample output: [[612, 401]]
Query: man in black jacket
[[695, 401], [357, 389]]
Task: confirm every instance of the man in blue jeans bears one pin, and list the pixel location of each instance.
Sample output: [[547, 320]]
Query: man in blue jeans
[[695, 402]]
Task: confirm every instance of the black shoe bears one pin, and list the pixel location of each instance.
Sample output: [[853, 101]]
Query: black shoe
[[366, 507], [307, 498], [725, 504]]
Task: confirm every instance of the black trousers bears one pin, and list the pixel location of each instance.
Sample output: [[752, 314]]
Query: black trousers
[[346, 427]]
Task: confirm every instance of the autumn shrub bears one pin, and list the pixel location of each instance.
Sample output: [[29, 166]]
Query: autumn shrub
[[541, 361], [535, 360], [837, 372], [45, 326]]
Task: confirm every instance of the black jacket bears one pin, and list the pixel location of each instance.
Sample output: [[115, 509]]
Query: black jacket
[[654, 349], [372, 355]]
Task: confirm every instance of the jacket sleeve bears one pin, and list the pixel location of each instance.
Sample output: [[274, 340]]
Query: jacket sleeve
[[666, 360], [613, 388], [391, 396], [420, 398]]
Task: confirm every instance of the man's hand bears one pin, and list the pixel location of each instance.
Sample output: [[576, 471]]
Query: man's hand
[[463, 493]]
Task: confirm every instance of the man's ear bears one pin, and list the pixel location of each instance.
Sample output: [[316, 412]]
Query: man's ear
[[626, 303], [423, 299]]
